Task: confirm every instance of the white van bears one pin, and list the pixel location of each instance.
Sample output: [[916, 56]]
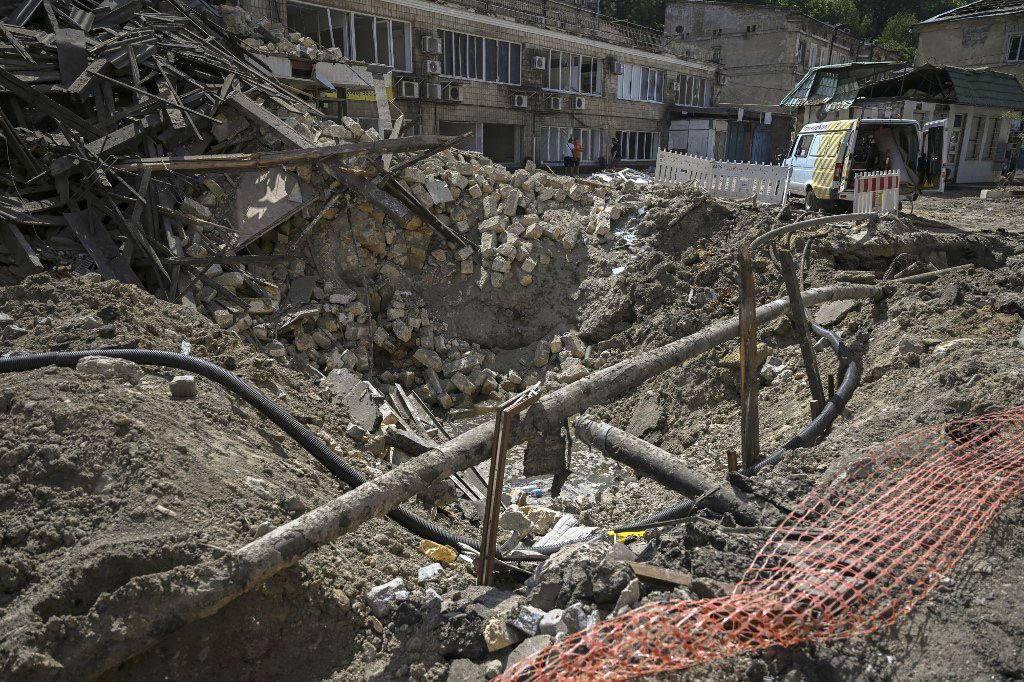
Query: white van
[[827, 156]]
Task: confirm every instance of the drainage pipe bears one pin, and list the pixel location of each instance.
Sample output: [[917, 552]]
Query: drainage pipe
[[662, 466]]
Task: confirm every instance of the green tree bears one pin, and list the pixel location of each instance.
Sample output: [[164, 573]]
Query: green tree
[[897, 36]]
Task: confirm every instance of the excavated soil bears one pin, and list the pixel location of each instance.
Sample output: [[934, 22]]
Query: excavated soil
[[102, 480]]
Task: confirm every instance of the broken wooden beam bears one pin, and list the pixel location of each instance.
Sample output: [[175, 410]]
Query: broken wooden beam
[[798, 314], [750, 439], [401, 214], [407, 441], [25, 257], [262, 160]]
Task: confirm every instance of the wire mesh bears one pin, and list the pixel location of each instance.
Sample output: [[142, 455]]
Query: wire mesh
[[860, 551]]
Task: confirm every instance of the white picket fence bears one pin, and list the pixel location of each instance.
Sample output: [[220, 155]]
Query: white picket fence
[[877, 192], [725, 178]]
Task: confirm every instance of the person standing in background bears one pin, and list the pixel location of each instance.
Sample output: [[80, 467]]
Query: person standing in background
[[569, 155], [616, 151], [577, 155]]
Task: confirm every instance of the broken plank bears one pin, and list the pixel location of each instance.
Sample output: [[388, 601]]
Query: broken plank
[[110, 144], [660, 575], [14, 242], [265, 117], [46, 105], [262, 160], [83, 84], [72, 54], [101, 248], [395, 209]]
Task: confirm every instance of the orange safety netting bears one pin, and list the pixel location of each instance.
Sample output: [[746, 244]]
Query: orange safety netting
[[860, 551]]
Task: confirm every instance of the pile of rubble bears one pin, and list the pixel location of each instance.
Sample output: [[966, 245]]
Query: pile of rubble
[[229, 193]]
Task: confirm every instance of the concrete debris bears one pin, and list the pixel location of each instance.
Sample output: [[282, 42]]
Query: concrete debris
[[553, 624], [429, 572], [528, 620], [110, 368], [498, 631], [381, 599], [528, 648], [578, 572], [184, 386]]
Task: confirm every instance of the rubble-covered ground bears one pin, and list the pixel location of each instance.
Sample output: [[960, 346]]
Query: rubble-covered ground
[[107, 475], [364, 318]]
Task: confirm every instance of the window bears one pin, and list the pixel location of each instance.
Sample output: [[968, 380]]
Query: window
[[569, 72], [803, 146], [641, 84], [638, 146], [361, 37], [991, 138], [482, 59], [974, 141], [716, 54], [1015, 49], [553, 140], [801, 52], [694, 91]]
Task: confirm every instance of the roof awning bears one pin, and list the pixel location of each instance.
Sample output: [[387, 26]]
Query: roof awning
[[950, 85]]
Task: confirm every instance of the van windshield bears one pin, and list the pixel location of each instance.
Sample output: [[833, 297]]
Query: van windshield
[[803, 146]]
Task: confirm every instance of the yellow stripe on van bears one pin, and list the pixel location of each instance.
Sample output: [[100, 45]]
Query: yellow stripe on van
[[824, 165]]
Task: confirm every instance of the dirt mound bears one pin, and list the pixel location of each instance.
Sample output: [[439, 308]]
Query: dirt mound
[[107, 477]]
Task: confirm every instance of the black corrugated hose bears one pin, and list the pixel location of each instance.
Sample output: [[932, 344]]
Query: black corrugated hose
[[810, 435], [303, 436], [353, 478]]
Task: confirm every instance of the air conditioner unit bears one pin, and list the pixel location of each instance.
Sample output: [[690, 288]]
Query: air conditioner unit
[[432, 67], [556, 104], [408, 89], [677, 84], [617, 68], [453, 93], [722, 79], [432, 91], [579, 103], [431, 44], [539, 62], [520, 101]]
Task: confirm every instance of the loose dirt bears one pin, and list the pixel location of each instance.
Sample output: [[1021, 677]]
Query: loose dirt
[[102, 479]]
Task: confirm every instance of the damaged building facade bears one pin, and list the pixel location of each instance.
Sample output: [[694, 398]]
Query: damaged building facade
[[762, 51], [520, 81], [987, 34]]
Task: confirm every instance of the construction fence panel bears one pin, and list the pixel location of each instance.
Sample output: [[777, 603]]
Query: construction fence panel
[[877, 192], [676, 167], [859, 552], [726, 179]]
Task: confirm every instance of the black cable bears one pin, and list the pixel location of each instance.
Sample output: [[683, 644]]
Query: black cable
[[354, 478], [303, 436]]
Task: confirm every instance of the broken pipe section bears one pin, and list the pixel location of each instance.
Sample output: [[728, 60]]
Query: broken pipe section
[[664, 467]]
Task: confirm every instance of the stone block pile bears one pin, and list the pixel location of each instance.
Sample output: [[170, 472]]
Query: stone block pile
[[521, 220]]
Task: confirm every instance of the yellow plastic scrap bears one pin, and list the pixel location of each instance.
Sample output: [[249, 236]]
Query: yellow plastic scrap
[[621, 537], [442, 553]]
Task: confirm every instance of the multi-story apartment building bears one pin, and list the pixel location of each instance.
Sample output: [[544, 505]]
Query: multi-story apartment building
[[763, 51], [520, 76], [983, 34]]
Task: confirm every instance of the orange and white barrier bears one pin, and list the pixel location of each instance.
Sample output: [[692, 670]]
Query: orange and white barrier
[[876, 192]]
